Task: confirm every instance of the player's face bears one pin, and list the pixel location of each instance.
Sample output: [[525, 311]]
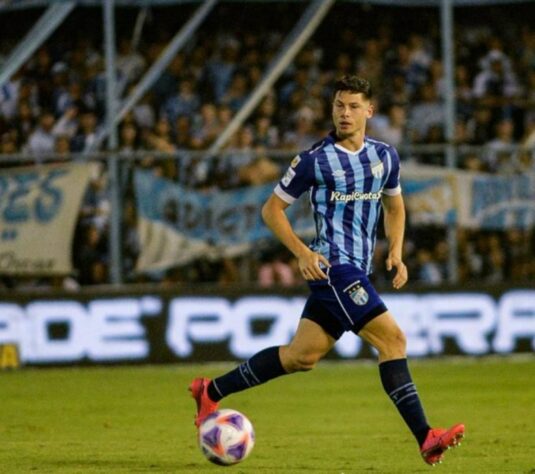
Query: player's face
[[350, 112]]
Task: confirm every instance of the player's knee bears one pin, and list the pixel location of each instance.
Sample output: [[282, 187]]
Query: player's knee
[[393, 345], [303, 362], [307, 362], [399, 341]]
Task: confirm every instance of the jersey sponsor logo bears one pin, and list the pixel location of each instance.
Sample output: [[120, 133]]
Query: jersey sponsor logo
[[357, 293], [288, 176], [295, 161], [378, 170], [355, 196]]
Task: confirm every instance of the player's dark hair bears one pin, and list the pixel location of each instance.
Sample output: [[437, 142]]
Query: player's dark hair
[[353, 84]]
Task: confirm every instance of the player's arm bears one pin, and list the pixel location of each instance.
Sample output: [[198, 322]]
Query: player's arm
[[274, 215], [394, 220]]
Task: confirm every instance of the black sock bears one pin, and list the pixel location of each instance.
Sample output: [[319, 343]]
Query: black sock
[[263, 366], [397, 383]]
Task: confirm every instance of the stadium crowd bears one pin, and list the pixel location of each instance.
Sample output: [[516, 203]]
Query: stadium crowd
[[55, 104]]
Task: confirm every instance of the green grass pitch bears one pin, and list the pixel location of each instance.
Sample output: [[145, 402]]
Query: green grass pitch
[[335, 419]]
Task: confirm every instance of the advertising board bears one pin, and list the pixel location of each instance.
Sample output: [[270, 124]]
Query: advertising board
[[163, 327]]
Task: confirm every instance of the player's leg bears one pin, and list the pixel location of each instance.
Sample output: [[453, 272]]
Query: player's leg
[[384, 334], [309, 344]]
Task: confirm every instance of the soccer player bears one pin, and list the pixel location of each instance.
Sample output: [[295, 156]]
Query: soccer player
[[349, 177]]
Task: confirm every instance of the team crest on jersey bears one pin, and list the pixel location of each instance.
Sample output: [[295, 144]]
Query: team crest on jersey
[[378, 170], [288, 176], [357, 293], [295, 161]]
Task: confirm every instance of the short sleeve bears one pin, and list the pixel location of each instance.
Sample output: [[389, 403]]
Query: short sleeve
[[297, 179], [392, 186]]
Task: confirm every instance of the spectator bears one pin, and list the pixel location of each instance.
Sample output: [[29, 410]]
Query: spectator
[[276, 269], [221, 67], [67, 125], [393, 131], [8, 144], [473, 162], [343, 65], [87, 132], [479, 126], [463, 92], [434, 136], [297, 82], [396, 91], [260, 170], [305, 131], [517, 248], [428, 269], [91, 258], [206, 126], [160, 138], [128, 138], [236, 93], [62, 146], [495, 259], [527, 153], [95, 208], [420, 60], [41, 141], [143, 113], [185, 103], [183, 132], [41, 68], [224, 115], [427, 111], [23, 122], [130, 63], [529, 102], [370, 65], [500, 153], [167, 84], [9, 96], [266, 134], [95, 83], [60, 94], [496, 85]]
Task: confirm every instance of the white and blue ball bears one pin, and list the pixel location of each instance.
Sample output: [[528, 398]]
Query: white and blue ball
[[226, 437]]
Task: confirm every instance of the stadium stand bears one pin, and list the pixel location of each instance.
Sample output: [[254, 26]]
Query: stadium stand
[[55, 104]]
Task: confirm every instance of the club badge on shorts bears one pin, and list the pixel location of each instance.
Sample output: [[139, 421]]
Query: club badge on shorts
[[357, 293]]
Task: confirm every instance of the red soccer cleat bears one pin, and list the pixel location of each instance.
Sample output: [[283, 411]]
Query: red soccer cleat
[[439, 440], [205, 405]]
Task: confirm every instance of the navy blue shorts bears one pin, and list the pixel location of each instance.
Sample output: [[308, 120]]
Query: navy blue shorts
[[347, 301]]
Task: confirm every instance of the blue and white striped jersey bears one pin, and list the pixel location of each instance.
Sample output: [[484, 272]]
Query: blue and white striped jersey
[[345, 193]]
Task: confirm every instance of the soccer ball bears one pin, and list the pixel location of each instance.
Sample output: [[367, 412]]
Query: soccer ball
[[226, 437]]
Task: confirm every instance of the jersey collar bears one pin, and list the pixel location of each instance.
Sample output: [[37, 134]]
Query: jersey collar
[[332, 138]]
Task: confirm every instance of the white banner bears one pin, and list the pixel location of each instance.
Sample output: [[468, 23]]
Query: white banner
[[177, 224], [39, 206], [496, 201], [163, 247], [430, 194]]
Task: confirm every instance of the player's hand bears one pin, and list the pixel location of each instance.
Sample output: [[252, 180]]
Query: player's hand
[[401, 276], [309, 265]]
